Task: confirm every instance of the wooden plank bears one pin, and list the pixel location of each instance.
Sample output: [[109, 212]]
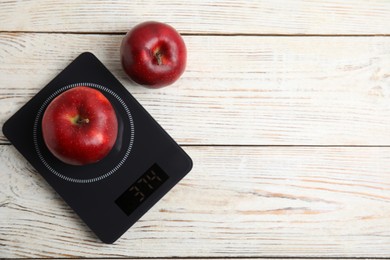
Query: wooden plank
[[237, 201], [201, 17], [236, 90]]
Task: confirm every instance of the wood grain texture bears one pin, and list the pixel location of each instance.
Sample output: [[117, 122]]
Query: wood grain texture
[[237, 201], [236, 90], [201, 17]]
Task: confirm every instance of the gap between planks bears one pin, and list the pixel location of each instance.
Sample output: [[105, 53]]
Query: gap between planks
[[226, 258], [272, 145], [203, 34]]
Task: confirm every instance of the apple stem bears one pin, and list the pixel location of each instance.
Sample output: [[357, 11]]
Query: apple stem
[[82, 121], [158, 56]]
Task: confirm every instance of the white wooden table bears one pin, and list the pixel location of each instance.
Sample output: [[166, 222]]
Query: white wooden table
[[284, 108]]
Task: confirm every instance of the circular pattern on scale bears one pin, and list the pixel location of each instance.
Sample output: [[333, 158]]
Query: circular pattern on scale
[[35, 133]]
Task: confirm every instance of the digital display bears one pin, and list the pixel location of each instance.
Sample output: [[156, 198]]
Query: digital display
[[138, 192]]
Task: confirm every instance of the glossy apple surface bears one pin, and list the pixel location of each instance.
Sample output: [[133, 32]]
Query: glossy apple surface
[[153, 54], [80, 126]]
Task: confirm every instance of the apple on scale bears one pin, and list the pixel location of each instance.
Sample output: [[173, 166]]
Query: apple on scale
[[153, 54], [80, 126]]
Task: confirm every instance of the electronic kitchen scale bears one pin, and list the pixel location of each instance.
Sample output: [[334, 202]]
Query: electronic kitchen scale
[[112, 194]]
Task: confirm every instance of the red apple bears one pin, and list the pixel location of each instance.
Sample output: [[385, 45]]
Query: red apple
[[153, 54], [80, 126]]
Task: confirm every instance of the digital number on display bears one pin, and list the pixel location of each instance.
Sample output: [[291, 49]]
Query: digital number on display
[[148, 183]]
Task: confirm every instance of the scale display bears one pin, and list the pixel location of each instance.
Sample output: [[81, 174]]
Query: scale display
[[141, 190], [112, 194]]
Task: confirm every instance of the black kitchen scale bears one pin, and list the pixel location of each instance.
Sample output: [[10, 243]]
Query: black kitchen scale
[[112, 194]]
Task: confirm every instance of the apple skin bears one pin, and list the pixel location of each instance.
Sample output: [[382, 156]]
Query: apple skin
[[153, 54], [80, 126]]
